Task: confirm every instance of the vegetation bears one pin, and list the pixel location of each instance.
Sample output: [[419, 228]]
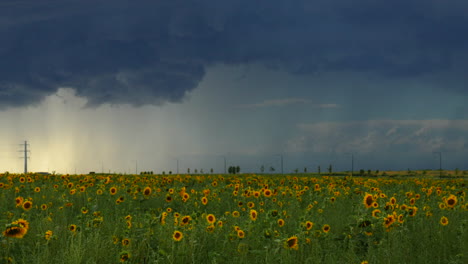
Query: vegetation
[[232, 219]]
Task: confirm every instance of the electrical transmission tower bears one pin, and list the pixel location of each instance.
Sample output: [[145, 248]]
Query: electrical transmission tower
[[25, 155]]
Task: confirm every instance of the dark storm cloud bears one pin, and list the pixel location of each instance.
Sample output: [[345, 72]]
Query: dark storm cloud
[[149, 52]]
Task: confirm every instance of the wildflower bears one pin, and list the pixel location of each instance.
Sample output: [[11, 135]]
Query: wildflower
[[27, 205], [210, 218], [326, 228], [309, 225], [177, 236], [14, 231], [253, 215], [240, 234], [147, 191], [368, 200], [292, 243], [124, 256], [444, 221], [113, 190], [376, 213], [281, 222], [48, 234], [451, 201], [125, 242]]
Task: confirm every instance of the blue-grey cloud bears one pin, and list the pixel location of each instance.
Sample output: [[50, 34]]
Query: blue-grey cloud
[[150, 52]]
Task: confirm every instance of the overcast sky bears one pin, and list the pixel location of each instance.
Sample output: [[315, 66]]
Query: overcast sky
[[115, 85]]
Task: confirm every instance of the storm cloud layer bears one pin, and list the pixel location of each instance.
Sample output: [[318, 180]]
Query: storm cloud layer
[[151, 52]]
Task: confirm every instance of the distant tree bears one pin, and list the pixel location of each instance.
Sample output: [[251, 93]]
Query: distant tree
[[201, 171], [318, 169], [272, 169], [170, 172], [262, 169], [377, 172], [237, 169], [361, 171], [196, 171], [164, 173], [305, 169], [296, 170], [369, 172], [330, 169], [211, 170]]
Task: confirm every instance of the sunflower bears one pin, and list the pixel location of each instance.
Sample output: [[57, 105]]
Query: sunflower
[[292, 243], [240, 234], [99, 192], [125, 242], [185, 220], [72, 191], [400, 219], [113, 190], [168, 198], [72, 228], [253, 215], [177, 236], [444, 221], [309, 225], [14, 231], [250, 204], [235, 214], [27, 205], [326, 228], [451, 201], [19, 201], [22, 223], [412, 211], [37, 189], [124, 256], [376, 213], [281, 222], [389, 220], [332, 199], [210, 218], [368, 200], [48, 234], [267, 193], [147, 191], [393, 200]]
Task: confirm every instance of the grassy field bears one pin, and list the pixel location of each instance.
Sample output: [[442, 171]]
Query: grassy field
[[233, 219]]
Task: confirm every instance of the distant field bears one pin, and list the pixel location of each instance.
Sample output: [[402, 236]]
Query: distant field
[[297, 218]]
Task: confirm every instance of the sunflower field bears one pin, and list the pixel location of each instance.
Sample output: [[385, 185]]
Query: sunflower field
[[231, 219]]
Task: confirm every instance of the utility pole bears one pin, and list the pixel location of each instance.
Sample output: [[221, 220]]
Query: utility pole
[[281, 156], [282, 171], [26, 157], [440, 162]]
